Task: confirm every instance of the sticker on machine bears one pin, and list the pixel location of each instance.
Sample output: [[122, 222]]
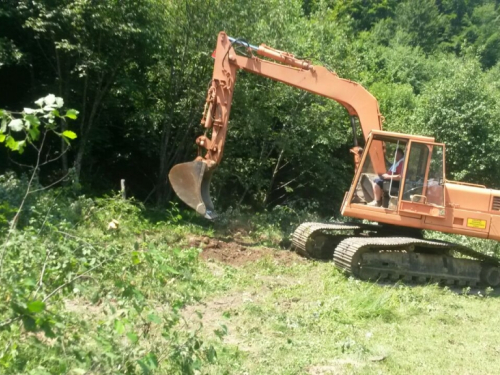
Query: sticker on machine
[[476, 223]]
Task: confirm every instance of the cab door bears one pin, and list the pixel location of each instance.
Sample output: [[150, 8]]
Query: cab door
[[424, 177]]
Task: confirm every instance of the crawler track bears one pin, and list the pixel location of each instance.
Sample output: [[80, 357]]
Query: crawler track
[[318, 240], [366, 252], [394, 258]]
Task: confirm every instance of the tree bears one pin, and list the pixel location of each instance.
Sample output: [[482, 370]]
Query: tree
[[483, 33], [138, 71], [89, 48], [365, 13], [458, 111], [422, 21], [24, 129]]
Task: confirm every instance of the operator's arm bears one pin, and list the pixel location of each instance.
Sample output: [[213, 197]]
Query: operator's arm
[[395, 172], [394, 177]]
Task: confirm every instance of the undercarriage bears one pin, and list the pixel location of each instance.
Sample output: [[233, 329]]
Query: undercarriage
[[379, 252]]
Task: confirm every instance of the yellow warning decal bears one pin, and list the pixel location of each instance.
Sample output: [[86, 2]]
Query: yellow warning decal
[[476, 223]]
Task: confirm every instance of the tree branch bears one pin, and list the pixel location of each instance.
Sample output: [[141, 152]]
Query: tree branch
[[19, 164], [14, 221], [52, 184], [40, 281], [56, 158], [80, 276]]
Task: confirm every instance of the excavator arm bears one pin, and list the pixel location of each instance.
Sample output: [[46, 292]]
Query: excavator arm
[[191, 180], [461, 209]]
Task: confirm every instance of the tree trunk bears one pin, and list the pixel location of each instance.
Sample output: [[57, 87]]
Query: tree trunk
[[87, 127], [273, 177], [161, 190], [62, 123]]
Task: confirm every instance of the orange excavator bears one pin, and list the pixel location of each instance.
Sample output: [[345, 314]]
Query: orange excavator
[[403, 199]]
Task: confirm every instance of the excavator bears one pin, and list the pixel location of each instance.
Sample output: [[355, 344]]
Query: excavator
[[390, 247]]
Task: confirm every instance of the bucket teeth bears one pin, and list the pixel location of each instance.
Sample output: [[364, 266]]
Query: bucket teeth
[[191, 183]]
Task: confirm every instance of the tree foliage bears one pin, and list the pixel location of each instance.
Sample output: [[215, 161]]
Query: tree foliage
[[137, 71]]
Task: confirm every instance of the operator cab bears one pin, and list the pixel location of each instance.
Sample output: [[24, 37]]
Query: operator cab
[[418, 183]]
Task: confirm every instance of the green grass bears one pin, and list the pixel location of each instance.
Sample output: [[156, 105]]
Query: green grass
[[79, 298], [308, 318]]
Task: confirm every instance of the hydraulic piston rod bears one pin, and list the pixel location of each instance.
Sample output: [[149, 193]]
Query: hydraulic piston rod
[[274, 54]]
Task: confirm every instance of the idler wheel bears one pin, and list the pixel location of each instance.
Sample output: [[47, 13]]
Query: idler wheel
[[490, 275]]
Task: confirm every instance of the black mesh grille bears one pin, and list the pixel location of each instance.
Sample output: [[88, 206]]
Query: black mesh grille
[[496, 204]]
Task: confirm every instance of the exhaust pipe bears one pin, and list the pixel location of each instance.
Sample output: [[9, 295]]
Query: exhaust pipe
[[191, 183]]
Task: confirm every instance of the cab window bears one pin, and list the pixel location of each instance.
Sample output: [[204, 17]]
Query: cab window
[[424, 182], [383, 148]]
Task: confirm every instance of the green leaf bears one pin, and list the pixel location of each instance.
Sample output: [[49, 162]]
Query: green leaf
[[153, 360], [135, 257], [2, 137], [119, 327], [220, 333], [168, 269], [34, 133], [46, 326], [11, 143], [20, 146], [33, 120], [29, 323], [69, 134], [72, 114], [211, 354], [144, 367], [16, 125], [149, 363], [3, 126], [36, 306], [154, 318], [29, 282], [196, 365], [133, 337], [78, 371]]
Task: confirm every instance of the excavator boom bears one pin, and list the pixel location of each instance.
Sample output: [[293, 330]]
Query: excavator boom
[[191, 180]]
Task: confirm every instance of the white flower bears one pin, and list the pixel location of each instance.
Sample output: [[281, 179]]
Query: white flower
[[16, 125]]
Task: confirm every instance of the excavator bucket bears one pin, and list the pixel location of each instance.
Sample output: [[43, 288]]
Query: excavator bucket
[[191, 183]]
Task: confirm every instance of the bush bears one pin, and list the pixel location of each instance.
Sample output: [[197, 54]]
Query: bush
[[82, 296]]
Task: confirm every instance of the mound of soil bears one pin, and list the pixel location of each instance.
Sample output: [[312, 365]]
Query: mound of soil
[[238, 253]]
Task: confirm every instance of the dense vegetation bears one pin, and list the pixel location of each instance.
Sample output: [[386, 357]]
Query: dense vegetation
[[137, 72], [91, 283]]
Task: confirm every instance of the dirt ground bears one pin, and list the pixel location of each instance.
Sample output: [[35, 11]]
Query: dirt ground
[[236, 253]]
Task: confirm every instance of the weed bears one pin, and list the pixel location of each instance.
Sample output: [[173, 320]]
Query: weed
[[80, 296], [309, 318]]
